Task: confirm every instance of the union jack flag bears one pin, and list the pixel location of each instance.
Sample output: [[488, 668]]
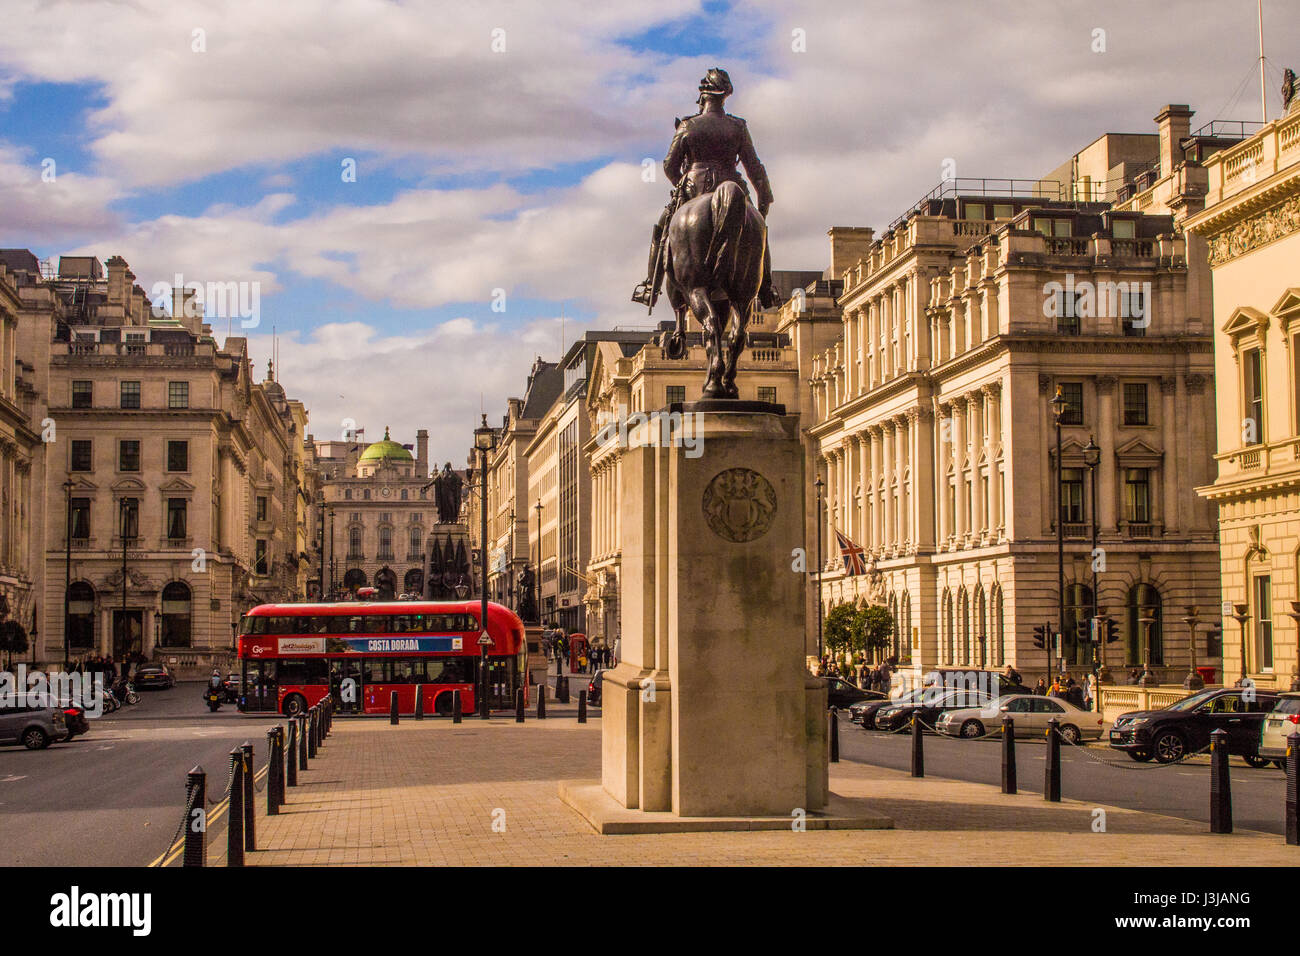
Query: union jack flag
[[854, 562]]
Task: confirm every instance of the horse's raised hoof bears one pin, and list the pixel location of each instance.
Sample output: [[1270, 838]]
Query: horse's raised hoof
[[674, 344]]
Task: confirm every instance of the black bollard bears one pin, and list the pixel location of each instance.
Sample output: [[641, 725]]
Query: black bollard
[[272, 787], [1052, 770], [833, 733], [541, 701], [918, 748], [311, 732], [291, 754], [196, 818], [1008, 755], [519, 706], [302, 742], [250, 808], [320, 725], [1292, 766], [562, 689], [1220, 784], [457, 710], [392, 708], [582, 706], [419, 702], [235, 814]]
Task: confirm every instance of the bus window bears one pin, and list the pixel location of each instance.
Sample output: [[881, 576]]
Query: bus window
[[338, 624], [319, 624], [375, 624], [373, 669], [403, 624], [452, 671], [404, 672], [304, 672], [253, 625]]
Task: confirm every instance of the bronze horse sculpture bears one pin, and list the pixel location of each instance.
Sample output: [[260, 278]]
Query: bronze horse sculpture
[[716, 247]]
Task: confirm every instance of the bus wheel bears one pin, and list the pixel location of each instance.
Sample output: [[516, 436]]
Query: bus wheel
[[294, 705], [442, 706]]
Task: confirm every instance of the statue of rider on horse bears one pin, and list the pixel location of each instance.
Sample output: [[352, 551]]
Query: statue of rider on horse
[[710, 244]]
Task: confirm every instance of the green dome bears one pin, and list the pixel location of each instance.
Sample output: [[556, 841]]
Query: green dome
[[386, 450]]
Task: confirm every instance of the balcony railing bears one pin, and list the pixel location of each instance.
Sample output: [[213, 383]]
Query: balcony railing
[[1074, 529], [1138, 529]]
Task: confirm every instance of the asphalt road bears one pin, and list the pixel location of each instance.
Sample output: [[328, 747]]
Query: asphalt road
[[115, 796], [1095, 773]]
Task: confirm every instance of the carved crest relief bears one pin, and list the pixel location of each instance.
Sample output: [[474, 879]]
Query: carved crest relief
[[739, 505]]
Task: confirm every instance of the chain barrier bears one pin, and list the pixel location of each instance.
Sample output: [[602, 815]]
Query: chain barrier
[[229, 782], [190, 791]]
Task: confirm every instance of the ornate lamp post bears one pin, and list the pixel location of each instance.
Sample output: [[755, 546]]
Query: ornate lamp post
[[1058, 405], [819, 485], [1193, 680], [1294, 614], [1241, 614], [1092, 458], [485, 439], [1146, 618], [510, 568]]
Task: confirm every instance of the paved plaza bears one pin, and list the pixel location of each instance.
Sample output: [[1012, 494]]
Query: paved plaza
[[487, 793]]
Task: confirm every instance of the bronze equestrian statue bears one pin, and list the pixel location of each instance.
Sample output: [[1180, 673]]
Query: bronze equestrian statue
[[710, 245]]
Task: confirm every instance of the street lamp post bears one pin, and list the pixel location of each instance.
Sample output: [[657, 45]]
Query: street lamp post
[[1058, 404], [67, 578], [510, 567], [1193, 680], [1241, 614], [1146, 618], [485, 440], [819, 485], [1092, 458], [538, 577]]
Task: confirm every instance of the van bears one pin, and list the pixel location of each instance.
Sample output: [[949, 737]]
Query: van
[[33, 727]]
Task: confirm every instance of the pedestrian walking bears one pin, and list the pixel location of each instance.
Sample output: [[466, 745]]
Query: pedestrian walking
[[1041, 687]]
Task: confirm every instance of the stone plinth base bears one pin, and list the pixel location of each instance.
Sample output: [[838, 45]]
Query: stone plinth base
[[607, 815]]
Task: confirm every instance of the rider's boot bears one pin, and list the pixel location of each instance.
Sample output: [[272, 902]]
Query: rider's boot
[[767, 295]]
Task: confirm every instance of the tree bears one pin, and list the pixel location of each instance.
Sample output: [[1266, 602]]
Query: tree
[[13, 640], [877, 626], [840, 629]]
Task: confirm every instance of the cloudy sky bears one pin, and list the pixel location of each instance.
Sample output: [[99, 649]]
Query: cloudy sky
[[499, 151]]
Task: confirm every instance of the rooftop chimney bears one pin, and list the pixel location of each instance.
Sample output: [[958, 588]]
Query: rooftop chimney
[[422, 452], [1175, 123], [848, 245]]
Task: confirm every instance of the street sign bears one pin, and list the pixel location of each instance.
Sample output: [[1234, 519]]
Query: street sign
[[1056, 643], [484, 640], [1226, 610]]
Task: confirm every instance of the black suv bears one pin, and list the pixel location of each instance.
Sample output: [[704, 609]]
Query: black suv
[[842, 695], [1184, 727]]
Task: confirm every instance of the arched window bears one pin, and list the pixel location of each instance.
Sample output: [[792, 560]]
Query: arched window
[[981, 627], [903, 630], [81, 615], [946, 639], [999, 634], [413, 583], [354, 578], [175, 630], [963, 622], [1077, 650], [1143, 598]]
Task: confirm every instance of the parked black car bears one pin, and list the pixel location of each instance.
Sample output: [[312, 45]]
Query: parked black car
[[927, 706], [1184, 727], [841, 694], [864, 711], [152, 677]]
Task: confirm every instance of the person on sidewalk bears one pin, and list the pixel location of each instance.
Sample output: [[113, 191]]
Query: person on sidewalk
[[1041, 687]]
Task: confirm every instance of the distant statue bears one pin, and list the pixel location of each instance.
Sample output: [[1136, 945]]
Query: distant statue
[[447, 487], [527, 599], [1288, 89]]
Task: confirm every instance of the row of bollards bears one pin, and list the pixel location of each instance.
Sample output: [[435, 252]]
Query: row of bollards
[[457, 709], [1220, 774], [287, 753]]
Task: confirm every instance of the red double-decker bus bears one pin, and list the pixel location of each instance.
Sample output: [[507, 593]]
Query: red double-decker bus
[[293, 655]]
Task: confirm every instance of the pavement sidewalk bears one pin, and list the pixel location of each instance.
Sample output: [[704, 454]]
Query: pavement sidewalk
[[435, 793]]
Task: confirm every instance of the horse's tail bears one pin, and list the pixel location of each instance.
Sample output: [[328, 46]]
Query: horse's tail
[[727, 206]]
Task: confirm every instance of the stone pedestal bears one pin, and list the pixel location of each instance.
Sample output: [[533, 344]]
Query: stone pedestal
[[441, 585], [712, 712]]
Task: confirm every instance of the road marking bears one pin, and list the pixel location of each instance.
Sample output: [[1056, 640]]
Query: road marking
[[13, 778], [173, 852], [109, 747]]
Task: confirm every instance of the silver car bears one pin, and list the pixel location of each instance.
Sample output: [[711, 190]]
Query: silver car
[[1030, 713], [1282, 721], [33, 727]]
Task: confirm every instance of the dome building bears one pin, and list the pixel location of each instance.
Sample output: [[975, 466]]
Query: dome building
[[378, 507]]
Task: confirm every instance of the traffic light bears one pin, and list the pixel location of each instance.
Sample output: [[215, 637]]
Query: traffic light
[[1082, 628], [1112, 630], [1040, 636]]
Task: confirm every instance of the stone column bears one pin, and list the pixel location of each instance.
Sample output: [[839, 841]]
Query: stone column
[[977, 431], [1107, 487], [864, 482], [961, 522], [900, 484], [945, 435], [877, 510], [1169, 463], [923, 483], [993, 438], [886, 493]]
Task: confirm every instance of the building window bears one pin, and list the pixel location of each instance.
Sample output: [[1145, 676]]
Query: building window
[[366, 494], [128, 524], [676, 393], [82, 394], [128, 455], [1075, 646], [178, 394], [1254, 385], [354, 544], [1143, 599], [1072, 392], [1067, 313], [178, 456], [261, 507], [415, 544], [1134, 318], [175, 630], [385, 544], [130, 395], [176, 524], [1135, 404], [405, 494], [767, 393], [82, 459], [1072, 495], [1137, 495], [260, 562], [80, 519], [1264, 622], [347, 494], [81, 615]]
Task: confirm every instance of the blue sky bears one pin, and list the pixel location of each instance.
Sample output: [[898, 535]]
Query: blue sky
[[519, 169]]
